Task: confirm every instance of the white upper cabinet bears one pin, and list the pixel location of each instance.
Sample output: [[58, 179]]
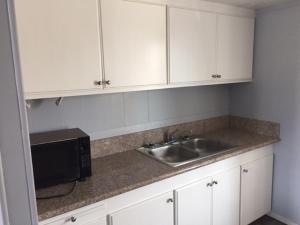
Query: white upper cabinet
[[76, 47], [156, 211], [134, 40], [209, 48], [193, 36], [235, 47], [59, 46], [256, 189]]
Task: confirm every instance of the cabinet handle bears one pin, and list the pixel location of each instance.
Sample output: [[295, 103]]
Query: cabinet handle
[[245, 170], [216, 76], [215, 182], [107, 82], [210, 184], [72, 219], [170, 200], [98, 83]]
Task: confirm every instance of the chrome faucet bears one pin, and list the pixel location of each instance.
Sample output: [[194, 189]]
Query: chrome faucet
[[170, 137]]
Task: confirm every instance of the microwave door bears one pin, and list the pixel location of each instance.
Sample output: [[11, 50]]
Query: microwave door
[[56, 163]]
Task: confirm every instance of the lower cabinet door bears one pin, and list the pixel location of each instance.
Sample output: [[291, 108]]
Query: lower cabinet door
[[155, 211], [194, 203], [256, 189], [226, 197]]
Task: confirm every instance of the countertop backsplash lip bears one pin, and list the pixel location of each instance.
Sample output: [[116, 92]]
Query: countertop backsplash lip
[[134, 175], [117, 144], [267, 128]]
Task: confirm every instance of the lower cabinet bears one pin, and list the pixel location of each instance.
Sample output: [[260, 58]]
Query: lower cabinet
[[194, 203], [94, 216], [214, 200], [95, 222], [156, 211], [256, 189], [101, 221], [235, 192], [226, 198]]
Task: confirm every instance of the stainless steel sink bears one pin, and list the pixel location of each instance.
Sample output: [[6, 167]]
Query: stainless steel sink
[[173, 154], [204, 145], [183, 152]]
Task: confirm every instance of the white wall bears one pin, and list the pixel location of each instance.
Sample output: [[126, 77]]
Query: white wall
[[275, 95], [115, 114]]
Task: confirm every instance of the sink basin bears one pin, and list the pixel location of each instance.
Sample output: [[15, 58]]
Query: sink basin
[[184, 152], [206, 147], [173, 154]]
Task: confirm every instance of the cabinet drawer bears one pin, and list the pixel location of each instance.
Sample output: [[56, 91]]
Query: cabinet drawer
[[155, 211], [91, 216]]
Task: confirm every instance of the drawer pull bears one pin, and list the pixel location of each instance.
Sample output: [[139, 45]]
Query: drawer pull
[[98, 83], [73, 219], [170, 200], [209, 184]]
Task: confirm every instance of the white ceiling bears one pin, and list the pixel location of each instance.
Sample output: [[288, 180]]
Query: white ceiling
[[254, 4]]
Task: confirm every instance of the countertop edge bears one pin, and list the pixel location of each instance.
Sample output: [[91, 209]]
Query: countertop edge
[[70, 207]]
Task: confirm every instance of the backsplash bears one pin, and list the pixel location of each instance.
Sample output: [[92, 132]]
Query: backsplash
[[256, 126], [109, 146], [109, 115]]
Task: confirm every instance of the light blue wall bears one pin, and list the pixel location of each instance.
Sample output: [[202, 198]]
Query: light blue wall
[[275, 95], [115, 114]]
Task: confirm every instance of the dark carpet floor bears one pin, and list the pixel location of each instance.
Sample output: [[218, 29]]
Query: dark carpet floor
[[266, 220]]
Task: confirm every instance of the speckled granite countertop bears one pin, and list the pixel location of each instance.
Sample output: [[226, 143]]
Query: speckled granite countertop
[[122, 172]]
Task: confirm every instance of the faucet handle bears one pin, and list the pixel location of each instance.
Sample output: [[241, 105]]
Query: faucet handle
[[188, 135], [169, 136], [173, 138]]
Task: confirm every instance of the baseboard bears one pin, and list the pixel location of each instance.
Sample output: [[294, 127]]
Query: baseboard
[[282, 219]]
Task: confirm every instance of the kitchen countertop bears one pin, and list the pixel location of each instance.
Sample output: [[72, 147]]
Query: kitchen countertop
[[123, 172]]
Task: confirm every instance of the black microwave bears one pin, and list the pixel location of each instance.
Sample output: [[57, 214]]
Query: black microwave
[[60, 157]]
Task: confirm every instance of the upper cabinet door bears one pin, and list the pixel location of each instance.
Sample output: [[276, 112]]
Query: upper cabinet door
[[59, 44], [235, 47], [134, 40], [193, 36], [156, 211]]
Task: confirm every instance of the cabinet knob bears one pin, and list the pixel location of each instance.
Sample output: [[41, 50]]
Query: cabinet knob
[[170, 200], [98, 83], [216, 76], [107, 82], [215, 182], [73, 219], [245, 170]]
